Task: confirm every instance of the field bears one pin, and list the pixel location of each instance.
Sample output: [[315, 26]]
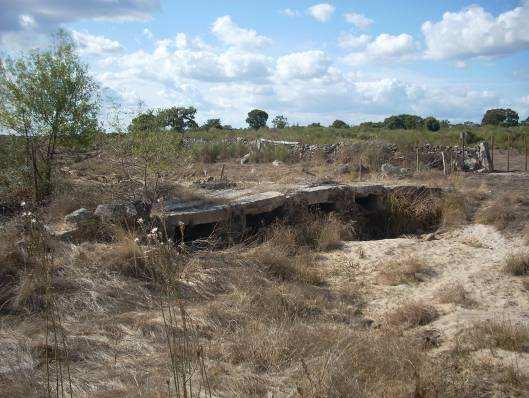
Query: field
[[307, 306]]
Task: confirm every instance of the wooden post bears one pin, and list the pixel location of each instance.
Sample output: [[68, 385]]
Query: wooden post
[[417, 159], [222, 172], [444, 163], [509, 152], [464, 154], [492, 152], [525, 150]]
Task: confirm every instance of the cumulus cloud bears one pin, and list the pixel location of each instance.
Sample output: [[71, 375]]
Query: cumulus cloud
[[474, 32], [321, 12], [288, 12], [147, 33], [97, 45], [350, 41], [384, 47], [303, 65], [358, 20], [230, 33]]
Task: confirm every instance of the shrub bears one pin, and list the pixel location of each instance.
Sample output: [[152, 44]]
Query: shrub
[[455, 293], [432, 124], [517, 264], [406, 270], [411, 315]]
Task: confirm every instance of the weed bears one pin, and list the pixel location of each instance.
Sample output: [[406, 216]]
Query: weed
[[517, 264], [406, 270], [411, 315]]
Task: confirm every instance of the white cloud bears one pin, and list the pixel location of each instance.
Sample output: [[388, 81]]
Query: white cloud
[[461, 64], [303, 65], [358, 20], [27, 21], [350, 41], [97, 45], [230, 33], [288, 12], [384, 47], [525, 100], [147, 33], [321, 12], [473, 32]]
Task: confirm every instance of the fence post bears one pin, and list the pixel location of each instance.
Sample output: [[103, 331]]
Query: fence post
[[417, 159], [509, 152], [525, 150], [492, 152], [444, 163]]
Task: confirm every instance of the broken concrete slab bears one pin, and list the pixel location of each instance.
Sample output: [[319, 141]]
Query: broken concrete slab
[[265, 202]]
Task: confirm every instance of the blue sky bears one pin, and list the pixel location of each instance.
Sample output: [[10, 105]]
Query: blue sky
[[311, 61]]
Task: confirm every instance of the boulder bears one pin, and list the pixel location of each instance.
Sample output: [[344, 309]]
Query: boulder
[[344, 169], [484, 156], [117, 212], [390, 170], [246, 158], [79, 216]]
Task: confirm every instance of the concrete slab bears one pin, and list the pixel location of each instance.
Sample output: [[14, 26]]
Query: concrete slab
[[260, 203]]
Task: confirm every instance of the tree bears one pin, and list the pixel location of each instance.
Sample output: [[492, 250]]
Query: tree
[[432, 124], [212, 124], [339, 124], [145, 122], [406, 122], [280, 122], [315, 124], [178, 119], [525, 122], [48, 97], [257, 119], [500, 117]]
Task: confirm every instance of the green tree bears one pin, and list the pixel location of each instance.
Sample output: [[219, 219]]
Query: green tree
[[405, 122], [280, 122], [339, 124], [145, 122], [315, 124], [500, 117], [257, 119], [432, 124], [212, 124], [48, 97], [178, 119]]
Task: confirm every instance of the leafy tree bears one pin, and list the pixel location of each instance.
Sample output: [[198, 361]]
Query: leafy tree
[[316, 124], [432, 124], [371, 125], [280, 122], [444, 124], [525, 122], [145, 122], [257, 119], [406, 122], [339, 124], [212, 124], [48, 97], [178, 119], [500, 117]]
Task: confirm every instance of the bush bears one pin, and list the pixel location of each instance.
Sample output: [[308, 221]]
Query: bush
[[432, 124]]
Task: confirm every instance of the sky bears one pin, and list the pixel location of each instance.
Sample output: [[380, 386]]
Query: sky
[[354, 60]]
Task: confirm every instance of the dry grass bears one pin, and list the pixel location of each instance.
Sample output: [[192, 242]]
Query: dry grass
[[517, 264], [505, 210], [411, 315], [502, 334], [284, 267], [406, 270], [455, 293]]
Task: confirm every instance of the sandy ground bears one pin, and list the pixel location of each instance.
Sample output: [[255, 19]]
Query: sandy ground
[[472, 255]]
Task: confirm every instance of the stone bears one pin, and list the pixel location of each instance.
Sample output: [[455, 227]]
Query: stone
[[79, 216], [484, 156], [344, 169], [246, 158], [390, 170], [277, 163], [117, 212]]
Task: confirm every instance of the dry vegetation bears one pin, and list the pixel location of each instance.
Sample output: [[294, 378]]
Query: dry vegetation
[[123, 312]]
